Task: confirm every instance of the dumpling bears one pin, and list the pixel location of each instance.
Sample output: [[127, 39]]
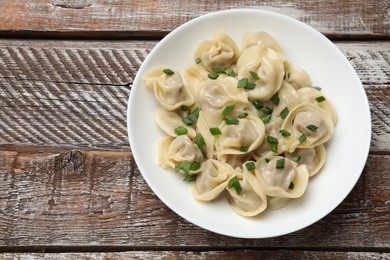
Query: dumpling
[[268, 68], [297, 77], [251, 201], [241, 138], [193, 76], [313, 158], [169, 90], [215, 95], [309, 126], [310, 95], [252, 38], [280, 177], [222, 52], [169, 121], [211, 180], [172, 151]]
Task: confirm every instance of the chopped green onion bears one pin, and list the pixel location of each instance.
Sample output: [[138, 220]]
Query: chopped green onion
[[242, 115], [280, 164], [199, 141], [231, 73], [295, 158], [177, 167], [212, 76], [255, 75], [231, 120], [168, 72], [250, 166], [227, 110], [317, 88], [181, 130], [274, 147], [312, 127], [195, 166], [192, 116], [266, 119], [184, 108], [215, 131], [302, 138], [291, 186], [267, 110], [233, 182], [284, 113], [218, 70], [284, 133], [320, 99], [184, 167], [288, 75], [190, 177], [272, 140], [250, 86], [198, 60], [267, 160], [242, 83], [257, 104], [275, 99], [244, 148]]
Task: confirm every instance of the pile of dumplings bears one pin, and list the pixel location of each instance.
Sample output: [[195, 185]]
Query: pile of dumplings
[[243, 123]]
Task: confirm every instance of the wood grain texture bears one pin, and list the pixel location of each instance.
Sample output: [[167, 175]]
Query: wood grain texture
[[78, 199], [107, 18], [229, 255], [74, 93]]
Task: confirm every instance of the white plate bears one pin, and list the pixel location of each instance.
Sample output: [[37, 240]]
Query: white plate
[[305, 47]]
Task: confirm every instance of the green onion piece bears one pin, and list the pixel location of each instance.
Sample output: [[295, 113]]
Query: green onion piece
[[284, 113], [275, 99], [267, 160], [302, 138], [212, 76], [312, 127], [242, 115], [255, 75], [192, 116], [257, 104], [215, 131], [227, 110], [195, 166], [198, 60], [280, 164], [190, 177], [231, 73], [218, 70], [266, 119], [274, 148], [177, 167], [272, 140], [242, 83], [295, 158], [168, 72], [250, 86], [231, 120], [250, 166], [199, 141], [181, 130], [267, 110], [288, 75], [284, 133], [317, 88], [233, 182], [291, 186], [244, 148], [320, 99], [184, 108], [185, 167]]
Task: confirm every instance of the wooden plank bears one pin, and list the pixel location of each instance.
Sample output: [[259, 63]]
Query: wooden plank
[[228, 255], [66, 93], [100, 18], [92, 198]]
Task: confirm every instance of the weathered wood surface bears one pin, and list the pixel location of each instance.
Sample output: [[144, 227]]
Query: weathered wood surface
[[74, 94], [106, 18], [228, 255], [89, 198]]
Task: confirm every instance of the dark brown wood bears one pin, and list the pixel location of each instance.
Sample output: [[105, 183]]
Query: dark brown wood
[[103, 18], [67, 93], [88, 198]]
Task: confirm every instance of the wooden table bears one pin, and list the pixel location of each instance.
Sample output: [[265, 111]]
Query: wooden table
[[69, 185]]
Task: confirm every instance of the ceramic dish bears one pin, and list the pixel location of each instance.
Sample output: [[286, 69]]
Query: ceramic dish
[[347, 150]]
